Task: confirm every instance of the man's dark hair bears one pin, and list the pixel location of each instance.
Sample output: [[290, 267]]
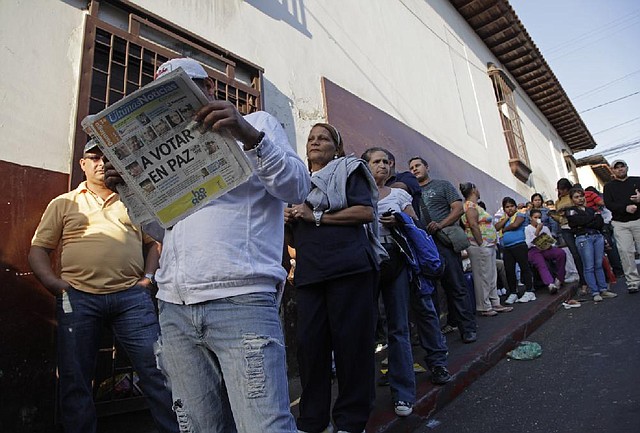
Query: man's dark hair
[[426, 164]]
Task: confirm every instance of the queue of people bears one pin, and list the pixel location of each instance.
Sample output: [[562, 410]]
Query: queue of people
[[214, 359]]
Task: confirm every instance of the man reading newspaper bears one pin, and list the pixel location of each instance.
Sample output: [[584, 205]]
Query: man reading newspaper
[[222, 345]]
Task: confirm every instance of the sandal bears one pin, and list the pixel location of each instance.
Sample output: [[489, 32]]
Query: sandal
[[488, 313], [502, 308]]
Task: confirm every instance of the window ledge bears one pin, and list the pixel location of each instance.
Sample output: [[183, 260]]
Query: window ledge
[[520, 169]]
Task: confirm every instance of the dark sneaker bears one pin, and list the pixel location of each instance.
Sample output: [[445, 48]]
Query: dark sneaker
[[440, 375], [469, 337], [403, 408]]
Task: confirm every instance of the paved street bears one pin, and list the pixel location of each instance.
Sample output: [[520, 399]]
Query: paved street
[[587, 379]]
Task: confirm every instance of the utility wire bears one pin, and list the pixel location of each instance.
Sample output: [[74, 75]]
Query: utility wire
[[616, 126], [588, 44], [617, 150], [588, 92], [592, 32], [609, 102]]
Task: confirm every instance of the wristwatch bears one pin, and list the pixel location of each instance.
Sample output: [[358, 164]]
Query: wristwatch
[[151, 277], [317, 215]]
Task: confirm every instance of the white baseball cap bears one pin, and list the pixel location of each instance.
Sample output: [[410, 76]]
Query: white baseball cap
[[618, 161], [190, 66]]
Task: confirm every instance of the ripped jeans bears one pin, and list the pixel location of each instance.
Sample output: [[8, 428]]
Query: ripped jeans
[[225, 362]]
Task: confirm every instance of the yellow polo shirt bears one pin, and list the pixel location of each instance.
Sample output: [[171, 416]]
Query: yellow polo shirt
[[101, 248]]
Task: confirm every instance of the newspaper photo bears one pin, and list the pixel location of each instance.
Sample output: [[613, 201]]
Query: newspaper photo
[[170, 168]]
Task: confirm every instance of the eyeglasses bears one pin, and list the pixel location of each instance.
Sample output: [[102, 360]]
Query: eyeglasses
[[95, 158]]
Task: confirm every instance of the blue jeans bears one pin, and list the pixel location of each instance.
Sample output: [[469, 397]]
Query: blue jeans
[[131, 316], [429, 334], [394, 285], [591, 250], [225, 362]]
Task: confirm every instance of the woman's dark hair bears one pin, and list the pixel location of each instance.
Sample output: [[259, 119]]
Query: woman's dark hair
[[467, 188], [508, 200], [537, 194], [574, 190], [592, 189], [482, 205], [534, 211], [550, 203], [564, 184]]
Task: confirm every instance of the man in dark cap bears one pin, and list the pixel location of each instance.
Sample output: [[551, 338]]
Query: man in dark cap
[[107, 267]]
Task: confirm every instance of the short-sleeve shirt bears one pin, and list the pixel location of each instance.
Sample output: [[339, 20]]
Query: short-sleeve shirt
[[485, 223], [396, 201], [330, 251], [101, 248], [438, 195]]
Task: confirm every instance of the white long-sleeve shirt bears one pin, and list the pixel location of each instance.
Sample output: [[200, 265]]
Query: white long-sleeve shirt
[[233, 245]]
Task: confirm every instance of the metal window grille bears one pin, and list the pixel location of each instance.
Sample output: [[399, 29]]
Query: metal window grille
[[509, 117], [116, 62]]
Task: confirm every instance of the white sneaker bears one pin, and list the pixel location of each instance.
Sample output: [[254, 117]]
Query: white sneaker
[[572, 278], [557, 283], [597, 298], [511, 299], [526, 297], [608, 294]]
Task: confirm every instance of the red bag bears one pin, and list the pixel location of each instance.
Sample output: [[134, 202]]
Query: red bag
[[608, 272]]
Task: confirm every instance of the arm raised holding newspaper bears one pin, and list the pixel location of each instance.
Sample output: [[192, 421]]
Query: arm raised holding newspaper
[[222, 116]]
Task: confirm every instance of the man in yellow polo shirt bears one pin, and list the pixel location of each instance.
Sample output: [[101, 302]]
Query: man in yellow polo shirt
[[107, 266]]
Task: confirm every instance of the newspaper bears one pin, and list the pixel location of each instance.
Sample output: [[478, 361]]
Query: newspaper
[[170, 168]]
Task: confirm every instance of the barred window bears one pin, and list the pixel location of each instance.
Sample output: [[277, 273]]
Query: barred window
[[518, 156], [123, 47]]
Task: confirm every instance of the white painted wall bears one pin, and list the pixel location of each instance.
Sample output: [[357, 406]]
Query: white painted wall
[[40, 46], [588, 178], [416, 60]]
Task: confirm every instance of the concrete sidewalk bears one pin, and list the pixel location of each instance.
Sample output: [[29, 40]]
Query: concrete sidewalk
[[496, 336]]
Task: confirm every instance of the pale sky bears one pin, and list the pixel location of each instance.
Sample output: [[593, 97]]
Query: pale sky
[[592, 47]]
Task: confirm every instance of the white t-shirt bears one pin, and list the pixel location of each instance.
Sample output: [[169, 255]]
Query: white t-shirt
[[397, 200], [530, 234]]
